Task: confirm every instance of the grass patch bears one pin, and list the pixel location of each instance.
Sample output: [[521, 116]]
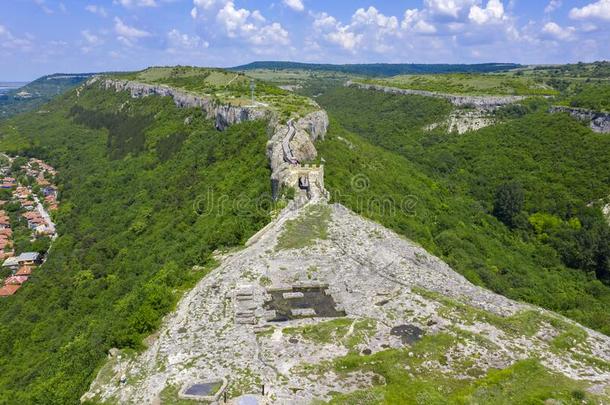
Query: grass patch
[[525, 382], [568, 339], [303, 231], [405, 380], [336, 330], [524, 323], [243, 381], [471, 84]]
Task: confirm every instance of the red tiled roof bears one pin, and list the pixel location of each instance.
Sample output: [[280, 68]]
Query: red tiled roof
[[24, 271], [15, 280], [9, 290]]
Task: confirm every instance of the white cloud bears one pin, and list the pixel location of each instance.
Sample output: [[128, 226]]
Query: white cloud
[[95, 9], [597, 10], [178, 40], [9, 41], [208, 4], [43, 6], [324, 21], [127, 34], [272, 33], [90, 41], [552, 6], [372, 17], [233, 19], [494, 12], [136, 3], [344, 38], [240, 24], [448, 8], [555, 31], [90, 38], [368, 29], [296, 5], [414, 20]]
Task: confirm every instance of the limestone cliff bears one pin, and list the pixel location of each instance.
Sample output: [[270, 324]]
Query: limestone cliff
[[307, 130], [223, 115], [479, 102], [598, 121]]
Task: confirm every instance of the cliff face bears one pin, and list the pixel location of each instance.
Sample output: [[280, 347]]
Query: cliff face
[[598, 122], [307, 131], [479, 102], [223, 115]]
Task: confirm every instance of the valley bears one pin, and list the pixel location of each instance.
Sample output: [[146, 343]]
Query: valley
[[321, 242]]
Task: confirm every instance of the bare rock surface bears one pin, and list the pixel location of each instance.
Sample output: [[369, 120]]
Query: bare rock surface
[[221, 328], [223, 115], [462, 121], [308, 130]]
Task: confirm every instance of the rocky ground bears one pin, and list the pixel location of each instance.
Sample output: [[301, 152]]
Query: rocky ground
[[392, 293]]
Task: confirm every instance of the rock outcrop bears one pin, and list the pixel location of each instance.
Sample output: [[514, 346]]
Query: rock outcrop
[[479, 102], [463, 121], [368, 275], [223, 115], [308, 130], [598, 121], [303, 132]]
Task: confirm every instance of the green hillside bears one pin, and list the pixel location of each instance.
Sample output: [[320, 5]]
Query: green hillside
[[149, 192], [146, 195], [39, 92], [443, 191], [472, 84], [379, 69]]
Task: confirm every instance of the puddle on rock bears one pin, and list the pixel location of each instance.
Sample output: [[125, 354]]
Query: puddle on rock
[[301, 302], [203, 389], [408, 334]]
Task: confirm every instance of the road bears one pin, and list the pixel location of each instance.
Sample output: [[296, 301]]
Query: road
[[46, 216]]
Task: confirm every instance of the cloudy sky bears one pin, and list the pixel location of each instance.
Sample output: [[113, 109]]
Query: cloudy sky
[[45, 36]]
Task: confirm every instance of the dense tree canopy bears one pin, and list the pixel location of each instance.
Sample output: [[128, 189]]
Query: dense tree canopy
[[443, 188], [146, 195]]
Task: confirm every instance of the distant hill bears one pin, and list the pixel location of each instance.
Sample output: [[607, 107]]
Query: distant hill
[[38, 92], [382, 69]]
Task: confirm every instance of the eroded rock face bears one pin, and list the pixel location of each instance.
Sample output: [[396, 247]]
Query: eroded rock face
[[223, 115], [315, 124], [308, 129], [479, 102], [598, 122]]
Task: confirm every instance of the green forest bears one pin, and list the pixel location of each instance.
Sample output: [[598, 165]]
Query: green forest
[[507, 206], [147, 196], [149, 192], [41, 91]]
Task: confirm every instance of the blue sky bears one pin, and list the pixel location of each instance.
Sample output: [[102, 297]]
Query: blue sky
[[45, 36]]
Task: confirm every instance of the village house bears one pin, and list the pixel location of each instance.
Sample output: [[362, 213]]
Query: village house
[[9, 290], [29, 259], [8, 182], [15, 280], [24, 271], [11, 263], [5, 254]]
